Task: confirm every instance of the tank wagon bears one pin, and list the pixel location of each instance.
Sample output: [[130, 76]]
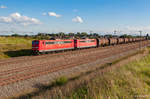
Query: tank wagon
[[42, 46], [120, 40], [112, 41], [103, 42]]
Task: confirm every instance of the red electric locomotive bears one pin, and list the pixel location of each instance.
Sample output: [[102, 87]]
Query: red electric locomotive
[[52, 45], [41, 46], [85, 43]]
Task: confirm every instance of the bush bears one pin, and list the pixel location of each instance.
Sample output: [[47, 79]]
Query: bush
[[61, 81]]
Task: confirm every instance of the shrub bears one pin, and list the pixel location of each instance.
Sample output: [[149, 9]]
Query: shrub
[[61, 81]]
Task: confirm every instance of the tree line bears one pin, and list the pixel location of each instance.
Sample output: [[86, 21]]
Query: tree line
[[81, 35]]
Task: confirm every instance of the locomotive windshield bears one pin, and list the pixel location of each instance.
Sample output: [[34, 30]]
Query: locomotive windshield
[[35, 42]]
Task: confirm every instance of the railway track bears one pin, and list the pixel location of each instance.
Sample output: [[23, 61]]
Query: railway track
[[27, 58], [51, 61], [53, 54], [47, 58], [23, 73]]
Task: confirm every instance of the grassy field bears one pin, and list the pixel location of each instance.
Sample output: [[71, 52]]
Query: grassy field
[[15, 46], [130, 81]]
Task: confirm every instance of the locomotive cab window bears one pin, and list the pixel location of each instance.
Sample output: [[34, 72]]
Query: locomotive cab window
[[35, 42]]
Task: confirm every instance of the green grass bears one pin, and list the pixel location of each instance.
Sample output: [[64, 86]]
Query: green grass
[[61, 81], [80, 93], [15, 46], [128, 82], [15, 40]]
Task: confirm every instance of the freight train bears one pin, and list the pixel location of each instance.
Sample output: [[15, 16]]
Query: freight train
[[44, 46]]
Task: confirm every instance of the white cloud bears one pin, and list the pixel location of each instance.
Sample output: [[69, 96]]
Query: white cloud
[[5, 20], [17, 18], [54, 14], [138, 28], [3, 7], [77, 19]]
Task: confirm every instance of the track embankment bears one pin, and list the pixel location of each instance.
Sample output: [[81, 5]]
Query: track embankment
[[23, 73]]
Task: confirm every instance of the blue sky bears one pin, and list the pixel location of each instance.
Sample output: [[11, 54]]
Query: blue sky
[[125, 16]]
